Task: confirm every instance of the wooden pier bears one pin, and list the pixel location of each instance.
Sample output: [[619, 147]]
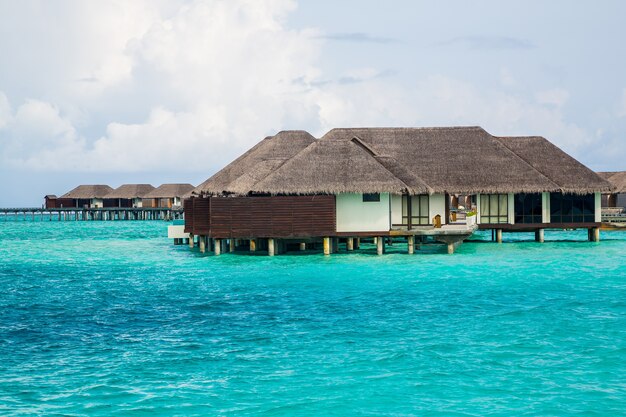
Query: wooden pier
[[613, 218], [90, 214]]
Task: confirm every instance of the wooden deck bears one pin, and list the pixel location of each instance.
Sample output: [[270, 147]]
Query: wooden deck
[[90, 214]]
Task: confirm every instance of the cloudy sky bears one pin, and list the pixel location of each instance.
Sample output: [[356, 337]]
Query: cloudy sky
[[172, 90]]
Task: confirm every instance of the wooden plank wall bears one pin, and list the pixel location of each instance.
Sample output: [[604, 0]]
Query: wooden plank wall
[[201, 216], [188, 210], [259, 217]]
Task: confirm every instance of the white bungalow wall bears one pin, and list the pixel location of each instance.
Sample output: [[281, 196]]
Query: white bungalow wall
[[437, 205], [355, 215], [396, 209]]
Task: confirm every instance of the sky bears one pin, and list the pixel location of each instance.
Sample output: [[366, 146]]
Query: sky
[[156, 91]]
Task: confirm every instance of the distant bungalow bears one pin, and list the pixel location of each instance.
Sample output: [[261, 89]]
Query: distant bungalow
[[88, 196], [617, 198], [388, 182], [167, 195], [128, 195]]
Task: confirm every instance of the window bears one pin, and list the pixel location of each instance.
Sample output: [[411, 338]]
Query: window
[[371, 197], [569, 208], [415, 210], [528, 208], [494, 208]]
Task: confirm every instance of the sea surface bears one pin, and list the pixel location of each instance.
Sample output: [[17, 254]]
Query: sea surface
[[112, 319]]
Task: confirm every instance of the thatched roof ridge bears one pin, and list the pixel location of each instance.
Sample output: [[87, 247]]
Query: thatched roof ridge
[[327, 167], [257, 162], [130, 191], [169, 191], [88, 191], [462, 159], [571, 175], [617, 179]]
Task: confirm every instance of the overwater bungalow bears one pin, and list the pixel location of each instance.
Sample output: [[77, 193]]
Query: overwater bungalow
[[51, 201], [167, 195], [617, 198], [383, 183], [88, 196], [128, 195]]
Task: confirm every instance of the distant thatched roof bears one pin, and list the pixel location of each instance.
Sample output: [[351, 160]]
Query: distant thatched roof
[[130, 191], [257, 163], [331, 168], [464, 160], [617, 179], [571, 176], [88, 191], [169, 191]]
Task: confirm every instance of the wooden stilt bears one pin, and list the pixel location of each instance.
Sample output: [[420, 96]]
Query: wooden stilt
[[380, 245], [326, 246], [357, 244], [499, 235], [231, 245], [270, 247], [191, 243], [217, 247], [451, 248], [350, 244], [411, 244], [595, 234], [302, 246], [202, 243], [252, 245], [539, 235]]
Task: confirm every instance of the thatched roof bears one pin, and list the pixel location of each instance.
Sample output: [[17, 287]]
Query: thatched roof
[[327, 167], [88, 192], [456, 160], [257, 163], [464, 160], [545, 157], [169, 191], [617, 179], [130, 191]]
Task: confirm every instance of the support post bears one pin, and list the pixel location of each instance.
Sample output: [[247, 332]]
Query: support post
[[411, 244], [270, 247], [499, 235], [202, 243], [302, 246], [350, 244], [539, 235], [217, 247], [191, 240], [326, 246], [595, 234], [450, 248], [380, 245], [252, 245], [357, 244], [231, 243]]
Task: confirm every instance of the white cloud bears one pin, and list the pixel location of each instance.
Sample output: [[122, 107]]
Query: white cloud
[[5, 110], [189, 85], [556, 97]]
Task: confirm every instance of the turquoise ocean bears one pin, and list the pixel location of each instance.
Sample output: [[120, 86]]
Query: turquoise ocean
[[110, 318]]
